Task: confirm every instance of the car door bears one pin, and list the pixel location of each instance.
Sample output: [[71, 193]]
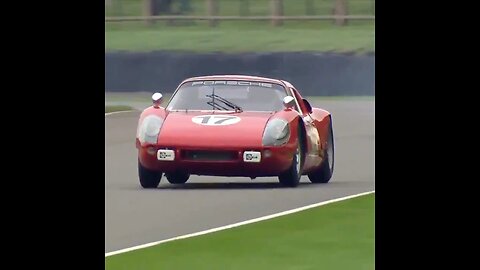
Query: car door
[[312, 157]]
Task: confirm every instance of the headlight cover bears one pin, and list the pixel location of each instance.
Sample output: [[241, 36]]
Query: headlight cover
[[149, 129], [277, 132]]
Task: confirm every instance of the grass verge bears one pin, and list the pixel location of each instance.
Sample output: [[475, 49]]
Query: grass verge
[[336, 236], [234, 39], [117, 108]]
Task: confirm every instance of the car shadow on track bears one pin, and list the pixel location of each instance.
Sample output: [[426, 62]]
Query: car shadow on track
[[245, 185]]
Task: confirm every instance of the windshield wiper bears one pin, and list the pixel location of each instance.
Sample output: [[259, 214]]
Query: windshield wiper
[[216, 105], [226, 102]]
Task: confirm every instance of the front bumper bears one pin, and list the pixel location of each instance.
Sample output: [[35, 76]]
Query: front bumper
[[233, 161]]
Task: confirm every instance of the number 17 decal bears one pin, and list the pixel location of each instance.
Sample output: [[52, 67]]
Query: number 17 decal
[[216, 120]]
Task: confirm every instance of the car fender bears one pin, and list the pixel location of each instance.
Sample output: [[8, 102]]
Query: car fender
[[322, 120], [160, 112], [294, 119]]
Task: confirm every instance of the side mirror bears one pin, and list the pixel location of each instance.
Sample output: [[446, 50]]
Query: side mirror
[[157, 100], [307, 105], [288, 102]]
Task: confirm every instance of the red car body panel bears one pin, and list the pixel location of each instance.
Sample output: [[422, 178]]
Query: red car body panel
[[180, 134], [179, 130]]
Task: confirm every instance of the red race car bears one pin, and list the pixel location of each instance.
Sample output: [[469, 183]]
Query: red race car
[[232, 125]]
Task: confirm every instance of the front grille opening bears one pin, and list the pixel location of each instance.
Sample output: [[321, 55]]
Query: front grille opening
[[208, 155]]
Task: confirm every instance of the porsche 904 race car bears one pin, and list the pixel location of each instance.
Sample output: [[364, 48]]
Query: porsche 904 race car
[[233, 125]]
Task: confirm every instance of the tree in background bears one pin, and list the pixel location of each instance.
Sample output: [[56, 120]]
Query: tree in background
[[185, 6], [244, 7], [341, 9], [162, 7]]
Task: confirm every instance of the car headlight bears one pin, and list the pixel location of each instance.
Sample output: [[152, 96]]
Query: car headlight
[[149, 129], [277, 132]]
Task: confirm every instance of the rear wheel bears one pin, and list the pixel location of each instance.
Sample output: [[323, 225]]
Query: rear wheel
[[177, 177], [325, 172], [291, 178], [148, 178]]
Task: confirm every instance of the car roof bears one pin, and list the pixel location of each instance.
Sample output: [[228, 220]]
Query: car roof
[[237, 77]]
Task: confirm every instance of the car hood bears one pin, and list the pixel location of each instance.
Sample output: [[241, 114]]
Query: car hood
[[217, 129]]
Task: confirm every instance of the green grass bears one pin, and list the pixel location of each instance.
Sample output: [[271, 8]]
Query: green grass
[[242, 36], [355, 38], [244, 7], [335, 236], [117, 108], [132, 96]]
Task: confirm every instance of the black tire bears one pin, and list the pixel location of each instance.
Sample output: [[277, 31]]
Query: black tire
[[291, 178], [325, 172], [148, 178], [177, 177]]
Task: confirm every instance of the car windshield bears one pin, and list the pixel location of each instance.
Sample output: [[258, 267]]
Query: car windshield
[[228, 95]]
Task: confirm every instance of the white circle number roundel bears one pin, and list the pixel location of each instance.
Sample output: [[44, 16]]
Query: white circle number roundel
[[216, 120]]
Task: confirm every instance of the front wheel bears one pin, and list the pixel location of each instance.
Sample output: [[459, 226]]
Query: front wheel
[[148, 178], [291, 178], [177, 177], [325, 172]]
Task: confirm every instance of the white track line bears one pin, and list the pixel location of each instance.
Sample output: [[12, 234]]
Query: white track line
[[237, 224], [110, 113]]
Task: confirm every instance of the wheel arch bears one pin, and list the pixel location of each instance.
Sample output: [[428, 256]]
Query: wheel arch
[[302, 135]]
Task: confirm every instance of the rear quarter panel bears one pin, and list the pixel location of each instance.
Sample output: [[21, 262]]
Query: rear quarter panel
[[322, 121]]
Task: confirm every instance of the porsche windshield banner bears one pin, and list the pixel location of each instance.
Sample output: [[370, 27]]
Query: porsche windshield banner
[[237, 83]]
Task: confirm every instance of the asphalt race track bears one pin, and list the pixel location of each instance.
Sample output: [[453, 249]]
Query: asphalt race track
[[135, 216]]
